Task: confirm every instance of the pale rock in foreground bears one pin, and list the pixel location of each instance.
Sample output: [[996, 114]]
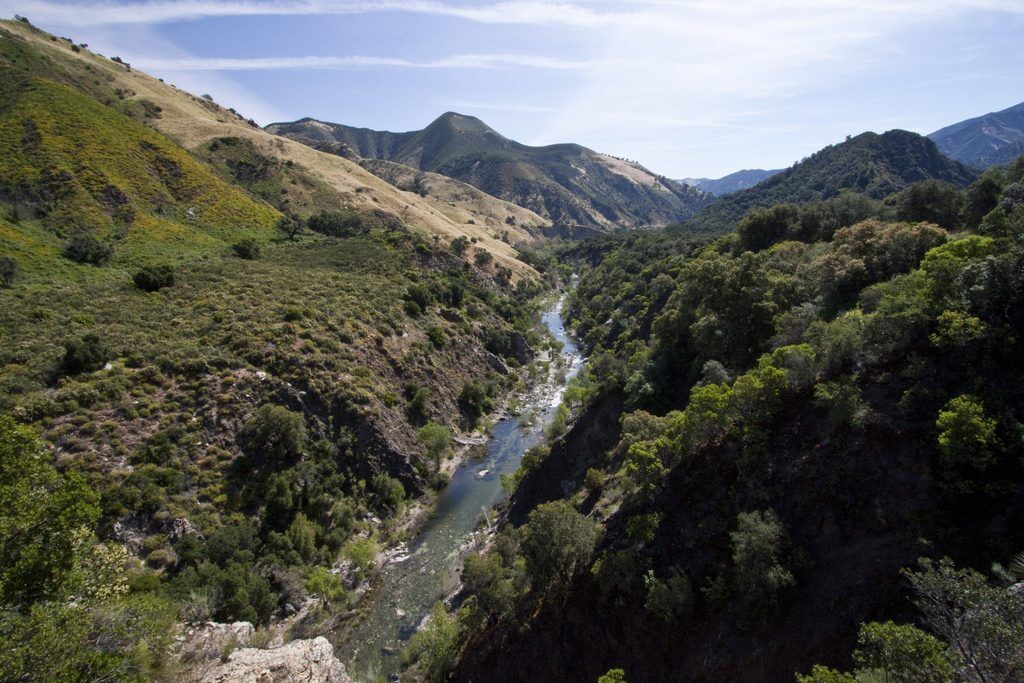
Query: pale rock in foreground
[[310, 661]]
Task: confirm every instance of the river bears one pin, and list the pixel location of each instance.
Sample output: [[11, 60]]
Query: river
[[406, 589]]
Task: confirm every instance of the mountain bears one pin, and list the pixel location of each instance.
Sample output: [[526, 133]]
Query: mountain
[[568, 184], [994, 139], [734, 182], [871, 164]]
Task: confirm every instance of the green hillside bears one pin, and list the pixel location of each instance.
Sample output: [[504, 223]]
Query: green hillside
[[869, 164]]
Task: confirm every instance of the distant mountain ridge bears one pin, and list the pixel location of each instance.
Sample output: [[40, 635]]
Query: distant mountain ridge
[[569, 184], [872, 164], [734, 182], [994, 139]]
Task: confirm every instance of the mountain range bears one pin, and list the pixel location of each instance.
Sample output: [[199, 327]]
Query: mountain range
[[994, 139], [734, 182], [568, 184]]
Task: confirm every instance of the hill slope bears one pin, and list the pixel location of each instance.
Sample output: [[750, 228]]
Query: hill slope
[[307, 178], [871, 164], [734, 182], [994, 139], [568, 184]]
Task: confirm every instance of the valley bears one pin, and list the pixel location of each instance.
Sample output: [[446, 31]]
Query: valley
[[310, 401]]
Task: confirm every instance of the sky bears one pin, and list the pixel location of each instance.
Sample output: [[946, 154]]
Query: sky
[[689, 88]]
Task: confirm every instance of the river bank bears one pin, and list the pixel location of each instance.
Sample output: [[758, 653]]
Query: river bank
[[418, 572]]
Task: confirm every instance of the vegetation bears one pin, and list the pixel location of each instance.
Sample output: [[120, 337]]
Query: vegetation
[[784, 417]]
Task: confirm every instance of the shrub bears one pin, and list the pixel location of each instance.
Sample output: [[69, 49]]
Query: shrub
[[86, 248], [757, 545], [482, 258], [290, 226], [347, 223], [668, 600], [87, 354], [436, 441], [8, 271], [966, 436], [327, 586], [153, 278], [436, 645], [459, 246], [248, 249], [276, 432], [474, 400]]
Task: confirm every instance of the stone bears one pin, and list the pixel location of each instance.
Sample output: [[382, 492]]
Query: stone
[[310, 661]]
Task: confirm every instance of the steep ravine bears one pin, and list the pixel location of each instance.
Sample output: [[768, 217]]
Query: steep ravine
[[426, 570]]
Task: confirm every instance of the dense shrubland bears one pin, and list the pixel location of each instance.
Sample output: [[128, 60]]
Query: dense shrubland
[[811, 404]]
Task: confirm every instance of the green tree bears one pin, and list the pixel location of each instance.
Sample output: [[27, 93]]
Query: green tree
[[557, 540], [84, 247], [613, 676], [302, 534], [87, 354], [459, 245], [757, 547], [290, 225], [42, 515], [248, 249], [276, 432], [966, 436], [902, 654], [329, 587], [436, 645], [436, 440]]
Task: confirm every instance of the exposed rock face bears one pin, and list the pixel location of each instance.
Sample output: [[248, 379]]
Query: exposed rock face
[[310, 661]]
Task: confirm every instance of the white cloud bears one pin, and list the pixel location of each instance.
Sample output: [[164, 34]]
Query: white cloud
[[513, 12], [469, 61]]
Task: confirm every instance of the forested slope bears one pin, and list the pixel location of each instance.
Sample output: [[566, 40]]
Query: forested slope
[[773, 429]]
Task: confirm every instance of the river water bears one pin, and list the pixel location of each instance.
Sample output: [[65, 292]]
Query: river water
[[406, 589]]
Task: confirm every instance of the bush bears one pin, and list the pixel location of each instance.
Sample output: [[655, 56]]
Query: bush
[[757, 545], [153, 278], [436, 645], [248, 249], [87, 354], [339, 223], [459, 246], [966, 436], [276, 432], [8, 271], [482, 258], [86, 248], [474, 400]]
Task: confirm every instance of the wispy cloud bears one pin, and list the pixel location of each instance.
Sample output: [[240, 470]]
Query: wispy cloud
[[470, 105], [512, 12], [469, 61]]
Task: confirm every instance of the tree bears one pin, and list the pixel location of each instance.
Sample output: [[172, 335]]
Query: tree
[[347, 223], [558, 539], [613, 676], [248, 249], [902, 654], [983, 624], [84, 247], [276, 432], [302, 534], [932, 201], [459, 245], [8, 271], [42, 513], [966, 436], [436, 441], [87, 354], [482, 258], [436, 644], [757, 545], [327, 586], [290, 225]]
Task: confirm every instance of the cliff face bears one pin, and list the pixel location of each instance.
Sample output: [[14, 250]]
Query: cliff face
[[312, 661]]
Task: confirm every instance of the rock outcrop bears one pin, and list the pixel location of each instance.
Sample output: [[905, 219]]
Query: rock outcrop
[[309, 661]]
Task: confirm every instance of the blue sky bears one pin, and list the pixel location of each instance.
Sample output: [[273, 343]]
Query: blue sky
[[686, 87]]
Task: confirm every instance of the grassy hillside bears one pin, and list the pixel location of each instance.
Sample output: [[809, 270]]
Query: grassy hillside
[[570, 185], [194, 122], [765, 443], [869, 164]]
